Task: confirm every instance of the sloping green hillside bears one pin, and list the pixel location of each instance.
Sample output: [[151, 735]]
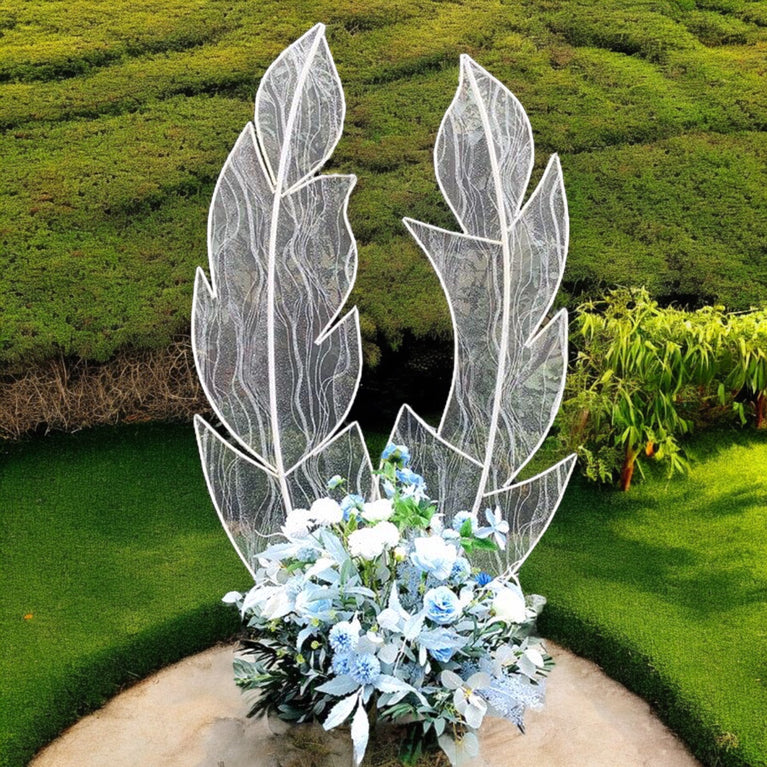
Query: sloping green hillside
[[116, 118]]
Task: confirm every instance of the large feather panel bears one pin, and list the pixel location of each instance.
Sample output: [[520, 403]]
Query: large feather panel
[[278, 366], [500, 276]]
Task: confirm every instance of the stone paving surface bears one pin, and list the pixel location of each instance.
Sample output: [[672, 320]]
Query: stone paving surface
[[192, 715]]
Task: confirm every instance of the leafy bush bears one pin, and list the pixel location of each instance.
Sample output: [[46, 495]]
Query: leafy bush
[[645, 375]]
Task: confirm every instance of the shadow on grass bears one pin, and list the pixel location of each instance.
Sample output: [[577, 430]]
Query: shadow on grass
[[92, 681]]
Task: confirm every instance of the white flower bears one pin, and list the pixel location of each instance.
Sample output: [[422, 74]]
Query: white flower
[[400, 553], [297, 524], [325, 511], [366, 543], [433, 555], [466, 700], [377, 511], [509, 604], [388, 533], [370, 542]]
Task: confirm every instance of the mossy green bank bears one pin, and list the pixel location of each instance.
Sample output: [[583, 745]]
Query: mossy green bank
[[117, 118]]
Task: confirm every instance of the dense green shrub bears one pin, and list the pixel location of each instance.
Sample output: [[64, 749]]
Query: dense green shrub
[[645, 375], [117, 118]]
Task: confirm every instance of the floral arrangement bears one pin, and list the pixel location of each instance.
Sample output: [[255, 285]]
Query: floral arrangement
[[379, 609]]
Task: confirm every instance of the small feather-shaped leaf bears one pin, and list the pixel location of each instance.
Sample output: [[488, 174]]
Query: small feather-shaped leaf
[[300, 109], [452, 477], [529, 508], [340, 712], [360, 733], [484, 153], [247, 495], [244, 492]]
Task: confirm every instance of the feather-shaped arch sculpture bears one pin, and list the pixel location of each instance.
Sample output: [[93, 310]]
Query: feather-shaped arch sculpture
[[280, 368], [277, 365]]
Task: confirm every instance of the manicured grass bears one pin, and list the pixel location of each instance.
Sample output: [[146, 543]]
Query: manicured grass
[[117, 117], [113, 564], [666, 587]]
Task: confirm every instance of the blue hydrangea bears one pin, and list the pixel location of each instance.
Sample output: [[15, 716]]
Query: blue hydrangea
[[441, 605], [341, 663], [483, 578], [342, 637], [365, 668]]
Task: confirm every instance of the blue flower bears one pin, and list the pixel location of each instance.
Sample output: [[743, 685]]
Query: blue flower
[[396, 453], [433, 555], [461, 570], [365, 668], [483, 579], [349, 502], [410, 477], [335, 481], [461, 517], [342, 637], [442, 654], [498, 527], [441, 605], [341, 663]]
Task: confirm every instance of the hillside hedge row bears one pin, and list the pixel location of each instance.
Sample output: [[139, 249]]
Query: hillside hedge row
[[117, 117]]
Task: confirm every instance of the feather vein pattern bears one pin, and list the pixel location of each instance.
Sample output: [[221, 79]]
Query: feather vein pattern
[[278, 365], [500, 275]]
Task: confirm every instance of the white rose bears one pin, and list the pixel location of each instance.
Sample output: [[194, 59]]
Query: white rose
[[325, 511], [366, 543], [377, 511], [509, 605], [388, 533]]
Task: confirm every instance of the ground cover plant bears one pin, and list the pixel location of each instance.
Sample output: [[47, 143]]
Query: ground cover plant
[[117, 118], [114, 563]]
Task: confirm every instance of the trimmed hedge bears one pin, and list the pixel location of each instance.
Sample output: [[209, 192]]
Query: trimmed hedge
[[115, 132]]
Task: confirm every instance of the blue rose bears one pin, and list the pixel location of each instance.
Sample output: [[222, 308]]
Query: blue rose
[[442, 654], [461, 570], [434, 556], [441, 605], [396, 453]]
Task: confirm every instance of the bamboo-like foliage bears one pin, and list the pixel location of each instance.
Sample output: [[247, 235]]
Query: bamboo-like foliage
[[645, 375]]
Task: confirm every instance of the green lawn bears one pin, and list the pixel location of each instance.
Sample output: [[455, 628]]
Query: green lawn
[[110, 544], [666, 587]]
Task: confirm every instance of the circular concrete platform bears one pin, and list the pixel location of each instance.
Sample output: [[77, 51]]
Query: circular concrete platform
[[192, 715]]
